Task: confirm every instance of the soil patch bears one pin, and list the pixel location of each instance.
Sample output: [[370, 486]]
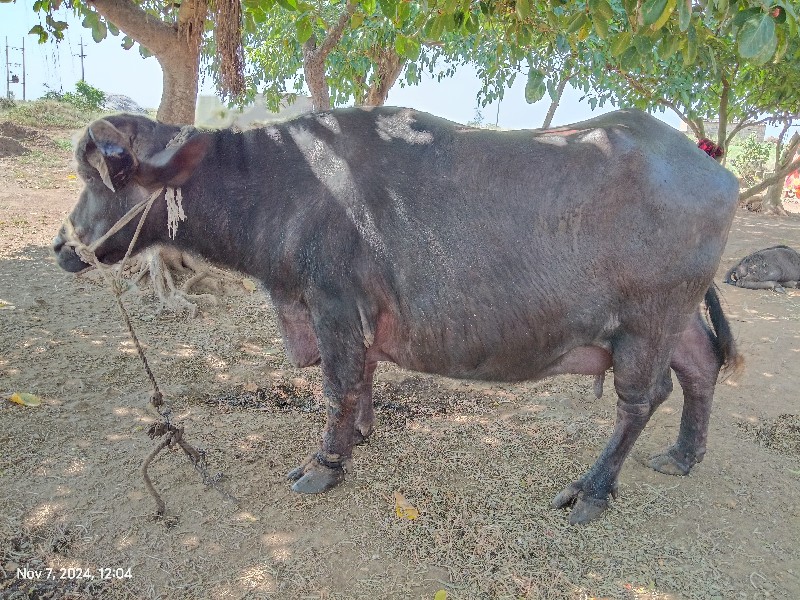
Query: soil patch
[[11, 147]]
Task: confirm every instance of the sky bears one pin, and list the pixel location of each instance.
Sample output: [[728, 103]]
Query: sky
[[117, 71]]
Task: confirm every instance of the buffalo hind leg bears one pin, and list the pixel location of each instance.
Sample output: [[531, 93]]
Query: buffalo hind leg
[[365, 415], [642, 380], [697, 367]]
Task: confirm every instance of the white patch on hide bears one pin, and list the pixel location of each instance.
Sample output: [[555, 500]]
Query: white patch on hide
[[275, 135], [328, 121], [398, 126], [599, 138], [553, 140], [334, 173]]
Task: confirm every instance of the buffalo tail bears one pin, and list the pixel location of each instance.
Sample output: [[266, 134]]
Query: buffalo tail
[[724, 344]]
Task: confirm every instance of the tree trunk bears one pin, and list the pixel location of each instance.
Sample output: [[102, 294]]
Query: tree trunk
[[314, 71], [177, 50], [388, 66], [315, 55], [551, 111], [722, 132], [179, 96]]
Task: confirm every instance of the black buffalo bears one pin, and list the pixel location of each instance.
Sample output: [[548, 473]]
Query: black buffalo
[[392, 235], [773, 268]]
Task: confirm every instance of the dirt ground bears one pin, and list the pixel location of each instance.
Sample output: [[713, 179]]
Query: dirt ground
[[480, 463]]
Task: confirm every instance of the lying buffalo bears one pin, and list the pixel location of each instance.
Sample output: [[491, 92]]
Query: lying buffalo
[[769, 269], [391, 235]]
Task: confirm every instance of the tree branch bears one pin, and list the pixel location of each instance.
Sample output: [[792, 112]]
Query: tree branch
[[770, 180], [149, 31], [335, 33], [641, 89]]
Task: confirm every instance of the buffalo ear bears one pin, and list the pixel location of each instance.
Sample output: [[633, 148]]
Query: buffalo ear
[[174, 166], [112, 155]]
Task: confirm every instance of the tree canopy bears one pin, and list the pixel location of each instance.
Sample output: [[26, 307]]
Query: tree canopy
[[687, 55]]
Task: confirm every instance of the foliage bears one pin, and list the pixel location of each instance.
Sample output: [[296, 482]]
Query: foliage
[[376, 32], [503, 38], [7, 103], [85, 97], [749, 160]]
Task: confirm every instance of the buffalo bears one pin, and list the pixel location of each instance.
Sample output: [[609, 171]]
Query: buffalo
[[386, 234], [773, 268]]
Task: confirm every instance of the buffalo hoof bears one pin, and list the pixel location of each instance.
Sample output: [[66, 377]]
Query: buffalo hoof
[[671, 462], [360, 438], [314, 478], [585, 508]]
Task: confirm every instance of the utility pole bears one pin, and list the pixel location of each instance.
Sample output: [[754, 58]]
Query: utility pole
[[82, 56], [8, 74], [24, 75], [14, 78]]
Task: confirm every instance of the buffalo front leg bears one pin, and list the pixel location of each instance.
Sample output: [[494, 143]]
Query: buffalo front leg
[[643, 382], [697, 367], [347, 382]]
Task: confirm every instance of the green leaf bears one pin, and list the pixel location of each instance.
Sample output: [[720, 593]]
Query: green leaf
[[600, 25], [669, 46], [112, 29], [783, 46], [39, 30], [662, 20], [523, 8], [621, 43], [552, 90], [644, 45], [472, 24], [577, 22], [127, 42], [413, 49], [388, 8], [90, 20], [356, 20], [744, 15], [757, 39], [369, 6], [144, 52], [630, 59], [434, 28], [304, 29], [535, 87], [601, 8], [288, 4], [690, 52], [684, 14], [652, 11], [100, 32], [400, 45]]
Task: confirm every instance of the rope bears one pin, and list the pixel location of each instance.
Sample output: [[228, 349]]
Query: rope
[[87, 253]]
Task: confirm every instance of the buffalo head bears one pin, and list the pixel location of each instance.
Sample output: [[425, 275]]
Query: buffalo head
[[122, 160]]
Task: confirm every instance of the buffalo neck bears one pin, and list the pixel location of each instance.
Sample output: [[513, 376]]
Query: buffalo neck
[[238, 202]]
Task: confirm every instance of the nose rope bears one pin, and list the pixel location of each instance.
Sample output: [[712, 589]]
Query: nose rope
[[87, 252]]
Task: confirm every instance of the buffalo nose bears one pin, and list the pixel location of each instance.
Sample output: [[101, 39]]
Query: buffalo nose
[[58, 242]]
